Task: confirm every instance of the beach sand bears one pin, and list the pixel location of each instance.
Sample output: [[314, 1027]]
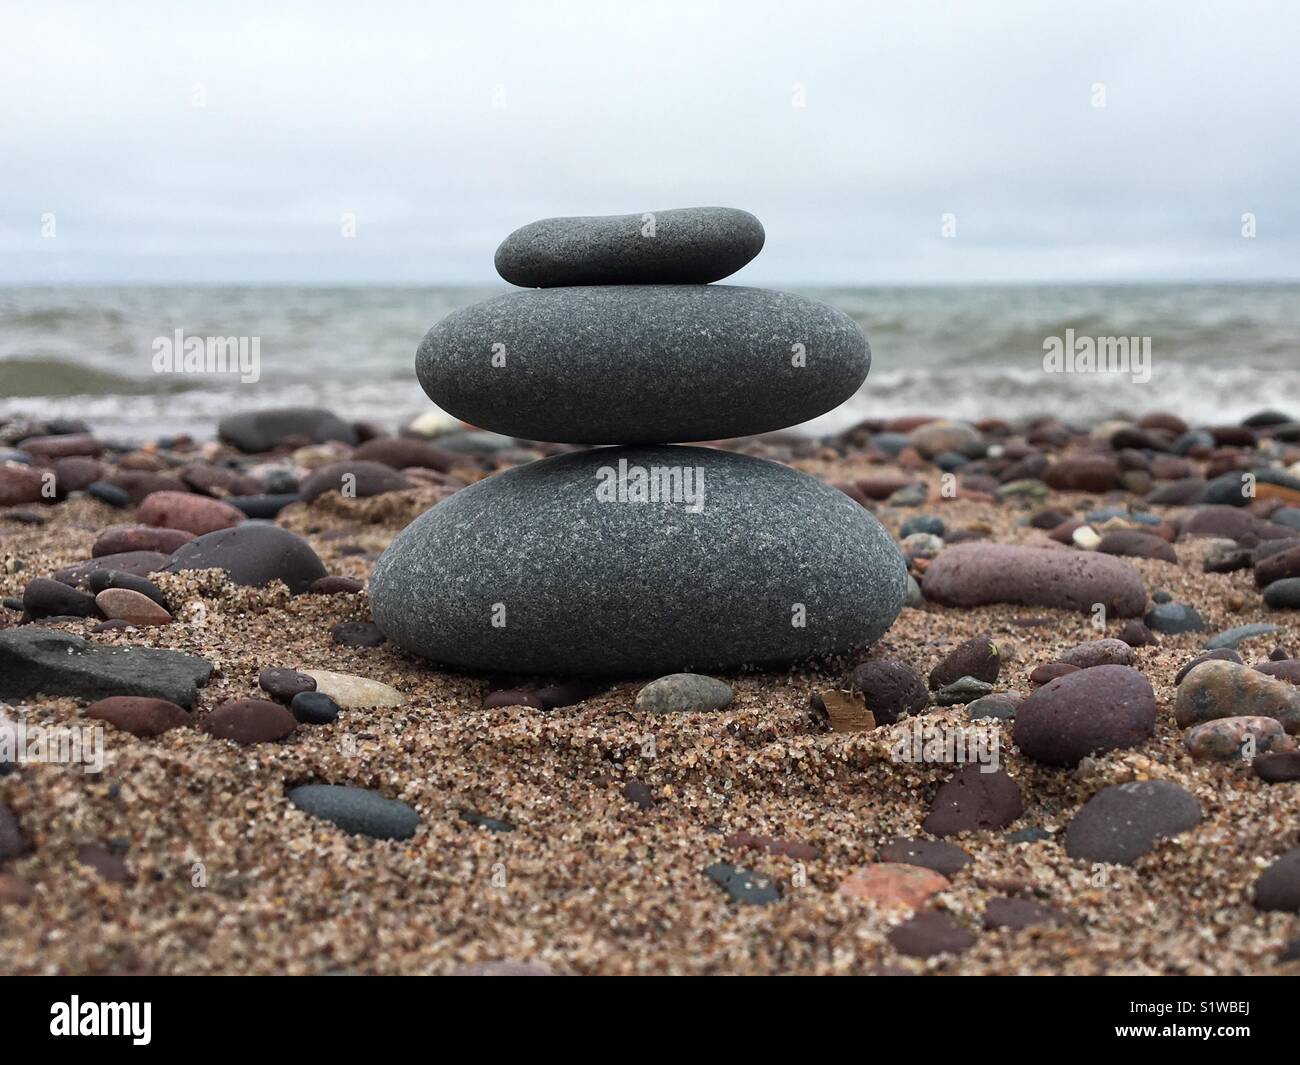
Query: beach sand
[[226, 876]]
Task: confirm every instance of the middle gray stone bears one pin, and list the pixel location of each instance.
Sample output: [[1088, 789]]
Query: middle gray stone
[[642, 364]]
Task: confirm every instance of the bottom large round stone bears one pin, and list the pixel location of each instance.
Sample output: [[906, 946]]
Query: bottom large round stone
[[639, 560]]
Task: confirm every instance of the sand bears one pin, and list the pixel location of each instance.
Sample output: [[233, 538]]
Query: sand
[[227, 877]]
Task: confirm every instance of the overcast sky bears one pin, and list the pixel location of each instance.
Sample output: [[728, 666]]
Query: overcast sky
[[227, 141]]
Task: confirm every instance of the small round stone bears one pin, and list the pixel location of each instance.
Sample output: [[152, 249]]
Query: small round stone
[[314, 708], [45, 598], [248, 721], [1089, 711], [682, 693], [137, 715], [946, 859], [977, 657], [974, 800], [890, 689], [1278, 886], [123, 604], [1125, 821], [1230, 738], [357, 634], [927, 934], [1278, 767], [1016, 914], [282, 684]]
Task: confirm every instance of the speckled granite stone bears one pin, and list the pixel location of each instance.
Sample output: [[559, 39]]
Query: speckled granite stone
[[690, 245], [642, 364], [529, 571]]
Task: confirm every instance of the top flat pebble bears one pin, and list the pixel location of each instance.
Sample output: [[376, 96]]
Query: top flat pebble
[[691, 245]]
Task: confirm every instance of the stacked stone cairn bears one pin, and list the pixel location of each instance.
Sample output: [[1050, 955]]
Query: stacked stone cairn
[[643, 557]]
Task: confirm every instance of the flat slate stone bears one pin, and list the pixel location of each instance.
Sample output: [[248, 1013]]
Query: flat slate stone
[[530, 571], [36, 661], [685, 246], [642, 364], [357, 810]]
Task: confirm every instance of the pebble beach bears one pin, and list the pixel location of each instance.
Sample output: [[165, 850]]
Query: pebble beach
[[515, 822]]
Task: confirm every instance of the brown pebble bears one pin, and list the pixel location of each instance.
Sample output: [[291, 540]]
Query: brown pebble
[[894, 885], [930, 933], [108, 865], [1050, 671], [1278, 767], [185, 510], [282, 684], [135, 608], [248, 721], [14, 890], [138, 715]]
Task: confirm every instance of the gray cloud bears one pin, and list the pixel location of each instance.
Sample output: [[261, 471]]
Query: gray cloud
[[981, 110]]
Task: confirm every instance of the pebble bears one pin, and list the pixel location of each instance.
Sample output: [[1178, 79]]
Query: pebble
[[1033, 834], [248, 721], [492, 824], [262, 506], [313, 708], [61, 446], [138, 716], [513, 697], [1278, 886], [1050, 671], [44, 598], [122, 604], [923, 523], [1173, 618], [1215, 690], [639, 794], [121, 538], [972, 801], [354, 693], [934, 438], [13, 844], [1230, 738], [891, 690], [257, 431], [357, 634], [962, 690], [1283, 594], [282, 683], [1278, 767], [742, 885], [894, 885], [978, 574], [1087, 538], [570, 692], [683, 692], [1006, 912], [1231, 638], [1083, 474], [992, 707], [1225, 556], [109, 866], [44, 661], [252, 554], [691, 245], [184, 510], [799, 852], [946, 859], [103, 579], [927, 934], [353, 480], [724, 590], [1094, 710], [335, 586], [1223, 654], [402, 453], [360, 811], [1123, 822], [978, 657], [15, 891], [136, 563], [604, 364], [1136, 634], [1278, 566], [20, 485], [1099, 653]]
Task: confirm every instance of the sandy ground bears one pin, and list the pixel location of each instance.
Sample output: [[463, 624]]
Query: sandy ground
[[227, 877]]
